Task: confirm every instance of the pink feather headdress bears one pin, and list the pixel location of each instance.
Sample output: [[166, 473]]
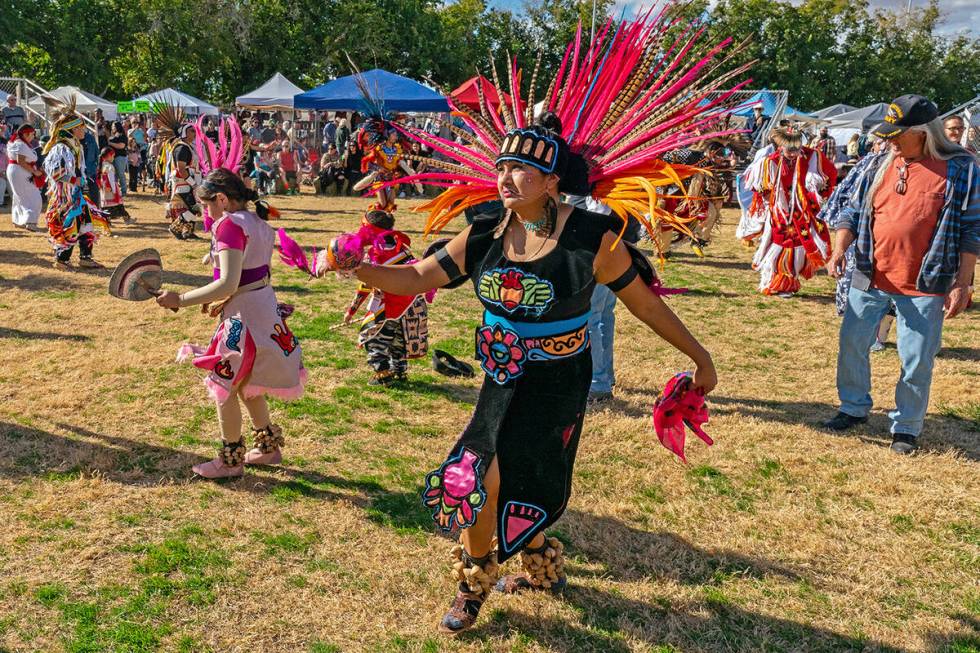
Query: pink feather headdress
[[226, 153], [624, 99]]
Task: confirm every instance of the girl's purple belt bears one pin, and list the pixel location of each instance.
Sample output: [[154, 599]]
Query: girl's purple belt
[[249, 275]]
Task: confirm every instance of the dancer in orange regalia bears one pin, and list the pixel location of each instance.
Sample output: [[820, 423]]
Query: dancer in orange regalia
[[792, 185]]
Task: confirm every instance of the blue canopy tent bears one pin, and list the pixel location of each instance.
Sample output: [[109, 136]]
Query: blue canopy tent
[[396, 92], [768, 101]]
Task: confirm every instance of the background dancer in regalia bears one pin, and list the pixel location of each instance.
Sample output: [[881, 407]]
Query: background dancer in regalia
[[793, 183], [179, 170], [71, 217]]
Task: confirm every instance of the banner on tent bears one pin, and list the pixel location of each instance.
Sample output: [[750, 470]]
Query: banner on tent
[[136, 106]]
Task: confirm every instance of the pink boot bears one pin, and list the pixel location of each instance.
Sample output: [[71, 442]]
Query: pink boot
[[268, 446], [227, 465]]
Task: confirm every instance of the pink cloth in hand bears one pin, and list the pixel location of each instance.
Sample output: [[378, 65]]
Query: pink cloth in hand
[[678, 406]]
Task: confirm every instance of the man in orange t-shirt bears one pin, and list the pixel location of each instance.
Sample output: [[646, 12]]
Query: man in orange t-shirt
[[915, 218]]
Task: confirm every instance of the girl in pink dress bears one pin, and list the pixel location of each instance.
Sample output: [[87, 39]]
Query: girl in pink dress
[[252, 353]]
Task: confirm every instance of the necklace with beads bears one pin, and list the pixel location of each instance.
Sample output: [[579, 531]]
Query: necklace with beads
[[536, 226]]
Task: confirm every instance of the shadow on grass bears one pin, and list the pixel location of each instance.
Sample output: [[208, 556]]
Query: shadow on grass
[[35, 453], [609, 621], [631, 555], [6, 332], [971, 354], [20, 257], [940, 434], [34, 282]]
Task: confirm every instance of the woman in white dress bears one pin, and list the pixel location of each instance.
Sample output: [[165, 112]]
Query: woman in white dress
[[21, 171]]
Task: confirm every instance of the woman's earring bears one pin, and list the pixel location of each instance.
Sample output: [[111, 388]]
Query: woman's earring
[[551, 213]]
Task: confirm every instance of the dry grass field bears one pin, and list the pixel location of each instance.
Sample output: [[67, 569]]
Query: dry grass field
[[781, 537]]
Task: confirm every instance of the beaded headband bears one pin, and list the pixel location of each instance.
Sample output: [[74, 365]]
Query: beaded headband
[[530, 147]]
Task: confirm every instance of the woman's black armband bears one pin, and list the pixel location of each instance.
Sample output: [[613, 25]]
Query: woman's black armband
[[448, 265], [625, 279]]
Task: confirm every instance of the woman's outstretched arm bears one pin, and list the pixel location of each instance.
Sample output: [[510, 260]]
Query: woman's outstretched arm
[[652, 311], [417, 278]]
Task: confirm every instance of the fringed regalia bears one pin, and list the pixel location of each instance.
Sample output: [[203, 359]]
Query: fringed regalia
[[795, 242], [623, 100], [72, 218], [383, 162], [395, 328], [182, 207]]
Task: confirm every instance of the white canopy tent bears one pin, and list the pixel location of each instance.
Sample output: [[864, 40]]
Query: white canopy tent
[[191, 105], [277, 93], [85, 102], [834, 110], [845, 125]]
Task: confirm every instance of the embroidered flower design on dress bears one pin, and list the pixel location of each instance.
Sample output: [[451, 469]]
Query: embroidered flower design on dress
[[514, 290], [501, 353], [454, 492]]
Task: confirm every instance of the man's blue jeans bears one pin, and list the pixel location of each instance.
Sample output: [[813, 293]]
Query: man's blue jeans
[[121, 164], [920, 328], [602, 329]]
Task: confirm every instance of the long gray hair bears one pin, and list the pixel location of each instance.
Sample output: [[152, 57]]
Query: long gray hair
[[936, 146]]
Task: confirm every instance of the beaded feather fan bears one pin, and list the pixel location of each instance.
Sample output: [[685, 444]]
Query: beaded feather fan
[[632, 94]]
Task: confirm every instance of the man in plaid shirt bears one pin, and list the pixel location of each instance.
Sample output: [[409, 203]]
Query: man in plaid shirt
[[826, 145], [915, 220]]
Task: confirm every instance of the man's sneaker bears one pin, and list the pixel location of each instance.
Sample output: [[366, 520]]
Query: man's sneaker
[[597, 398], [878, 346], [843, 421], [903, 443]]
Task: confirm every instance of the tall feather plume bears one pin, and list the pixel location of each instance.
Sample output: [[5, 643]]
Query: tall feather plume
[[514, 76], [504, 109], [373, 102], [529, 111]]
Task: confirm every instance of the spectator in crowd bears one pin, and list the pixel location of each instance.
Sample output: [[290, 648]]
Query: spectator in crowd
[[329, 133], [119, 142], [3, 169], [13, 115], [352, 164], [255, 129], [137, 132], [90, 149], [211, 129], [22, 173], [264, 172], [915, 218], [134, 160], [343, 134], [289, 167], [101, 130], [331, 171], [290, 130], [954, 127], [826, 145], [756, 122], [853, 153]]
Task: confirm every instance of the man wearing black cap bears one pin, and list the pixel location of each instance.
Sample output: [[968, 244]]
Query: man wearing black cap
[[915, 219]]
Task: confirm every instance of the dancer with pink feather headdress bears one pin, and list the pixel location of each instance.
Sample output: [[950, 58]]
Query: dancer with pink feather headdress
[[252, 354], [615, 105]]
